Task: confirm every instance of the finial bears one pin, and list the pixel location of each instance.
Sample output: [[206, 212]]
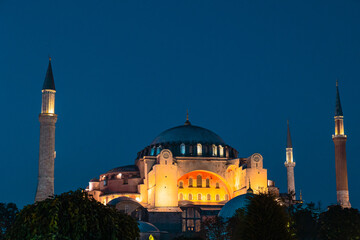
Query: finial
[[337, 82], [187, 122], [300, 195]]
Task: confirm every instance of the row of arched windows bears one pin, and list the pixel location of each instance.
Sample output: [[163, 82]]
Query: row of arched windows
[[199, 183], [200, 197], [199, 149]]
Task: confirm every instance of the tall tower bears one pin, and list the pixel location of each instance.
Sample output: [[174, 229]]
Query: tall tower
[[47, 154], [339, 138], [290, 164]]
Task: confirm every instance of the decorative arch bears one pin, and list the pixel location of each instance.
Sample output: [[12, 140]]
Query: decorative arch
[[205, 189]]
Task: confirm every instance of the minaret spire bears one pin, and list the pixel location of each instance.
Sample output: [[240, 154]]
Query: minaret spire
[[339, 138], [47, 118], [290, 164]]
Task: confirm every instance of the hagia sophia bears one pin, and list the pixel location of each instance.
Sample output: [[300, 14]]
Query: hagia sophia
[[187, 173]]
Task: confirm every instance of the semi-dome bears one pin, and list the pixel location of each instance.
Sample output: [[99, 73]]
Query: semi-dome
[[188, 134]]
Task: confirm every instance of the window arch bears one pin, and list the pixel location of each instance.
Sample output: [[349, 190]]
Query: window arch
[[221, 150], [207, 182], [199, 149], [158, 150], [214, 150], [217, 185], [190, 196], [152, 152], [217, 198], [199, 196], [208, 197], [181, 197], [199, 181], [190, 182], [226, 197], [182, 149], [181, 184]]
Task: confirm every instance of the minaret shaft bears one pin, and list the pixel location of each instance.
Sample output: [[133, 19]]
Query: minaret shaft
[[290, 164], [47, 118], [339, 138]]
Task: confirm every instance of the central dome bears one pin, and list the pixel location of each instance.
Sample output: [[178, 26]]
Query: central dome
[[188, 134]]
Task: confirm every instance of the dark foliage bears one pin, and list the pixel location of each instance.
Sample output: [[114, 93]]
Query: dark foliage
[[72, 215], [235, 225], [339, 224], [305, 221], [265, 219], [214, 228], [7, 216]]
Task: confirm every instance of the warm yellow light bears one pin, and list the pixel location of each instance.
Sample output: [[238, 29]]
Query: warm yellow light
[[138, 199]]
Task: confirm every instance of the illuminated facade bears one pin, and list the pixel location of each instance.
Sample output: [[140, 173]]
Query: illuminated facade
[[187, 173]]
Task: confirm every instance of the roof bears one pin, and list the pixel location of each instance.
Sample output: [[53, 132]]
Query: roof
[[231, 206], [128, 168], [122, 199], [288, 139], [49, 78], [338, 108], [146, 227], [94, 180], [188, 134]]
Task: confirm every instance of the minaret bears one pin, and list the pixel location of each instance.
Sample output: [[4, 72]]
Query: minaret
[[339, 138], [290, 164], [47, 154]]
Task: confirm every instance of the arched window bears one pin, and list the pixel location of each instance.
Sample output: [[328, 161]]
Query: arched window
[[221, 150], [181, 184], [152, 152], [199, 149], [226, 197], [217, 185], [158, 150], [106, 181], [207, 182], [199, 196], [181, 197], [190, 197], [214, 150], [208, 197], [190, 182], [199, 181], [182, 149], [217, 198]]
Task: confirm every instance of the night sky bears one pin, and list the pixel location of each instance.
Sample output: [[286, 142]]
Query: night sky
[[127, 70]]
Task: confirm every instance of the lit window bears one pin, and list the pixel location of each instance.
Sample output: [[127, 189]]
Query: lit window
[[181, 184], [198, 181], [190, 182], [182, 149], [208, 197], [207, 182], [226, 197], [217, 185], [181, 197], [158, 150], [199, 196], [217, 198], [190, 196], [199, 149], [106, 181], [221, 150], [152, 152], [214, 150]]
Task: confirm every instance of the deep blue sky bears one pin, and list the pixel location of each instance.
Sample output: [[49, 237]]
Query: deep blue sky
[[127, 70]]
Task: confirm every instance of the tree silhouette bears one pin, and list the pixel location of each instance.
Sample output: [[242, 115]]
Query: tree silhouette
[[72, 215], [7, 216]]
